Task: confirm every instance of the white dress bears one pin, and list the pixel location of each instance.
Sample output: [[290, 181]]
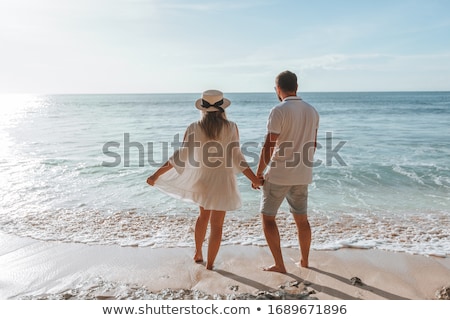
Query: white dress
[[204, 170]]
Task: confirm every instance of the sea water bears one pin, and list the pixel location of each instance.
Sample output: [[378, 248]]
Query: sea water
[[74, 167]]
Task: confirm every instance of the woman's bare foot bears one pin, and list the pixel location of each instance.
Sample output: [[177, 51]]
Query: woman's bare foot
[[198, 257], [275, 268], [209, 266]]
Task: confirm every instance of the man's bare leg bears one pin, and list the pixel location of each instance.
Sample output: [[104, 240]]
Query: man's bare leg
[[200, 232], [215, 236], [304, 237], [273, 240]]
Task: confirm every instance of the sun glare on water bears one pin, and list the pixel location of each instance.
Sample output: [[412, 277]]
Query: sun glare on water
[[13, 109], [12, 105]]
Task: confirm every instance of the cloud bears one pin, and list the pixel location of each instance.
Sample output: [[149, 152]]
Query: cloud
[[374, 61]]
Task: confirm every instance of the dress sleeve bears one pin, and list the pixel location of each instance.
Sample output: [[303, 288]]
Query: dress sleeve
[[179, 159], [239, 161]]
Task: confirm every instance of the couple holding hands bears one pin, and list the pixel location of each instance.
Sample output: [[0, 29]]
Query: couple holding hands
[[204, 169]]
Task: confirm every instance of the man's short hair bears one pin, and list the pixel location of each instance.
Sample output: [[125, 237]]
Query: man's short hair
[[287, 81]]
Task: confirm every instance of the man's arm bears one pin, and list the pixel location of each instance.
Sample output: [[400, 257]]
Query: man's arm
[[315, 141], [266, 153]]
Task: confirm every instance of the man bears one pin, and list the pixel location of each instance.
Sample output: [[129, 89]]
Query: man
[[289, 149]]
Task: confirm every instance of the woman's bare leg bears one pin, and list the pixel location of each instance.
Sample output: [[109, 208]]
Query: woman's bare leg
[[215, 237], [200, 232]]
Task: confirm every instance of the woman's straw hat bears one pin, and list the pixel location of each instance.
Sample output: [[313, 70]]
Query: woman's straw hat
[[211, 101]]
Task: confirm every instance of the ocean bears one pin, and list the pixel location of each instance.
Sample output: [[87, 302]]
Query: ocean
[[73, 168]]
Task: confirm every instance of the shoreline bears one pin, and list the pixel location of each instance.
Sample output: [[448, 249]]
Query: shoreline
[[34, 269]]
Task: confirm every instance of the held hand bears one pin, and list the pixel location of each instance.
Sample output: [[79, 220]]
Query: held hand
[[258, 183]]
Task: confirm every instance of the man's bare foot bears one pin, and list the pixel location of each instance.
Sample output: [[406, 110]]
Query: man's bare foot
[[275, 268], [209, 267], [302, 264]]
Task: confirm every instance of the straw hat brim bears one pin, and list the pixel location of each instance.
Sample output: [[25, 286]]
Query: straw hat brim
[[198, 104]]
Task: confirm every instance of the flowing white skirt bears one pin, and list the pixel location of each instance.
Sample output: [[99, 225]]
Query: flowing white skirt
[[213, 189], [193, 179]]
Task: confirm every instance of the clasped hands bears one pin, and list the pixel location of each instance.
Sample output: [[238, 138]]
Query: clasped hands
[[258, 183]]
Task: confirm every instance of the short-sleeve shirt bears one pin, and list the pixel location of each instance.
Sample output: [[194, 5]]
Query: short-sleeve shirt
[[296, 122]]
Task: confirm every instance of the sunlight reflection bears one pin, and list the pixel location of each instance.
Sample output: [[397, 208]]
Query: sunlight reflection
[[13, 106], [13, 109]]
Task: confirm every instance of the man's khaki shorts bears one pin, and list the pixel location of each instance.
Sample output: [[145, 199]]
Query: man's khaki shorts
[[273, 196]]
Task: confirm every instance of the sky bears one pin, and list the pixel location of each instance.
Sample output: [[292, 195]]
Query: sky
[[170, 46]]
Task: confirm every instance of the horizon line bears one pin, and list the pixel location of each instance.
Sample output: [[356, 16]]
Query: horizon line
[[225, 92]]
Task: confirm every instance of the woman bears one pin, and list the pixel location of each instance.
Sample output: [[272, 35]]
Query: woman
[[204, 171]]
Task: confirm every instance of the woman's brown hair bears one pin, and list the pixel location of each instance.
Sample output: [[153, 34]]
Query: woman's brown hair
[[212, 123]]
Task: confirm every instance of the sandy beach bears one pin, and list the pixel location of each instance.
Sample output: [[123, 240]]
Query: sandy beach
[[32, 269]]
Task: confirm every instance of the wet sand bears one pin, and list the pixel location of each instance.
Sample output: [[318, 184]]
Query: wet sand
[[32, 269]]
